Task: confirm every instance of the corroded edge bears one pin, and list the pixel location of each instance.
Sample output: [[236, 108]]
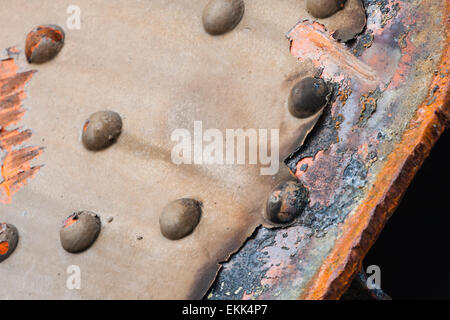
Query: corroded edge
[[361, 229]]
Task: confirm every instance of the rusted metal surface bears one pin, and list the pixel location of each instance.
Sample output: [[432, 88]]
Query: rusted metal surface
[[390, 108]]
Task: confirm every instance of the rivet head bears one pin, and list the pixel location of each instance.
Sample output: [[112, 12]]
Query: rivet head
[[44, 43], [221, 16], [286, 202], [9, 237], [79, 231], [308, 97], [324, 8], [352, 24], [179, 218], [101, 130]]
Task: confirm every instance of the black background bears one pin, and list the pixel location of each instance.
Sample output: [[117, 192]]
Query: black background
[[413, 249]]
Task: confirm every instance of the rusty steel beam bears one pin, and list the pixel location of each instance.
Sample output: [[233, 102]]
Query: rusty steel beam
[[362, 155], [388, 107]]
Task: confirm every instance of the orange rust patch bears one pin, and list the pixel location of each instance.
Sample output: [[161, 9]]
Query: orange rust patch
[[4, 247], [15, 169], [344, 94], [362, 228]]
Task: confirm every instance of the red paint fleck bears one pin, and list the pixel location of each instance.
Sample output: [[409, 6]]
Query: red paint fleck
[[85, 126], [70, 221], [4, 247]]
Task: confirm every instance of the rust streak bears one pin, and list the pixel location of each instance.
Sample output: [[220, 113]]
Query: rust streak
[[14, 84], [7, 68], [13, 138], [10, 109], [314, 42]]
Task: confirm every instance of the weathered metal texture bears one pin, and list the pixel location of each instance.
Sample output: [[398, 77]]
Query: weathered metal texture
[[357, 162], [391, 106], [133, 59]]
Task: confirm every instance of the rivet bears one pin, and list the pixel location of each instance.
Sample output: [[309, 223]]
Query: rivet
[[286, 202], [221, 16], [9, 237], [308, 97], [352, 23], [101, 130], [324, 8], [44, 43], [179, 218], [79, 231]]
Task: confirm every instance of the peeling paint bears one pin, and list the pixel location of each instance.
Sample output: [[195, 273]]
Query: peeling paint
[[16, 169]]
